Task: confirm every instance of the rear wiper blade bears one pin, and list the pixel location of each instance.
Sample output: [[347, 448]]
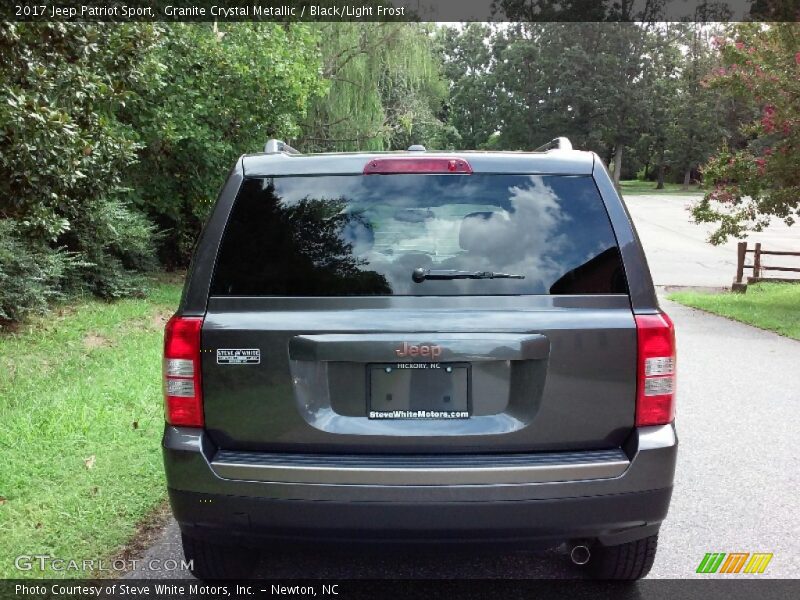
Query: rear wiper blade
[[419, 275]]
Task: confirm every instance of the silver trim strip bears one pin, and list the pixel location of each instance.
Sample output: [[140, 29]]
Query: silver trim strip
[[391, 475]]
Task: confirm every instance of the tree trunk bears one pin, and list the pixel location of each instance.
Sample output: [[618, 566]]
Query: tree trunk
[[661, 170], [617, 164], [687, 177]]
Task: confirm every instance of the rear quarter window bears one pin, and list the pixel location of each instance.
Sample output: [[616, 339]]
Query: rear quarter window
[[356, 235]]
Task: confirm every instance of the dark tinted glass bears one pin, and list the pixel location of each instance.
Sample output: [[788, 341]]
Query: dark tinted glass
[[364, 235]]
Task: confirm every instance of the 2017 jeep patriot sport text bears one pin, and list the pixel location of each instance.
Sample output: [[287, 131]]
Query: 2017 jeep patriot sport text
[[420, 346]]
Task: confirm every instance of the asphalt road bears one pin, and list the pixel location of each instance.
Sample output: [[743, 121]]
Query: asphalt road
[[737, 480], [678, 252]]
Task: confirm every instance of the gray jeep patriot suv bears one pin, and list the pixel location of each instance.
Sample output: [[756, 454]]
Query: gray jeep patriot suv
[[420, 346]]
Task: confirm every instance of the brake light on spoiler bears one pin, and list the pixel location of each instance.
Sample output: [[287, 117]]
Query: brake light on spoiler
[[417, 164], [183, 394], [655, 394]]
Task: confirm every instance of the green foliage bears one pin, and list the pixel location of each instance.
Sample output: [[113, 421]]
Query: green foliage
[[696, 126], [385, 89], [466, 58], [117, 245], [626, 11], [216, 93], [609, 87], [104, 126], [587, 81], [560, 10], [761, 180], [519, 86], [63, 160], [59, 142], [30, 276]]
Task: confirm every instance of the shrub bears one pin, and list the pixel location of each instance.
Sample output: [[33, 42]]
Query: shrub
[[63, 156], [115, 245], [752, 185], [30, 274]]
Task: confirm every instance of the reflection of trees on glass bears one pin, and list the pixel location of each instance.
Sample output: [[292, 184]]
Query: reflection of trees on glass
[[303, 249], [602, 274]]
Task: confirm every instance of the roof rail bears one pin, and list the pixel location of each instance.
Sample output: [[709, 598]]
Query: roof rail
[[559, 143], [277, 146]]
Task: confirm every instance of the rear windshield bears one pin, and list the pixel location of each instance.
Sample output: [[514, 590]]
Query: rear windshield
[[356, 235]]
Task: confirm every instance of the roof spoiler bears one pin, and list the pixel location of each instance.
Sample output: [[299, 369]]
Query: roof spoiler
[[559, 143], [277, 147]]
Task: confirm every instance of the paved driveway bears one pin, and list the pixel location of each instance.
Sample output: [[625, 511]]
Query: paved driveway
[[737, 480], [678, 252]]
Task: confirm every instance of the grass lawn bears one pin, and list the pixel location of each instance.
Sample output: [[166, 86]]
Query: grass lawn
[[773, 306], [80, 425], [633, 187]]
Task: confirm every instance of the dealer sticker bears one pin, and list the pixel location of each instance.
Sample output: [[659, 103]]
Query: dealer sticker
[[239, 356]]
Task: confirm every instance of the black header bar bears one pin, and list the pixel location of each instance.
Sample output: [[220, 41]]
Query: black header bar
[[401, 10]]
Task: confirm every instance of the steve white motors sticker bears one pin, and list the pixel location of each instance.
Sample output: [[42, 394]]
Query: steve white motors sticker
[[239, 356]]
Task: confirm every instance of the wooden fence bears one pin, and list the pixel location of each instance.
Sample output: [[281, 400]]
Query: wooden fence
[[739, 285]]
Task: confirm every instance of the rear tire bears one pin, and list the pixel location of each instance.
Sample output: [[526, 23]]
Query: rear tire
[[216, 561], [626, 561]]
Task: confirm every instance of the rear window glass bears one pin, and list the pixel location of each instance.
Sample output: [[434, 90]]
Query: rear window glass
[[356, 235]]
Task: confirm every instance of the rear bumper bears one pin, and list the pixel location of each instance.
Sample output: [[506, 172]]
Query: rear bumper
[[613, 509]]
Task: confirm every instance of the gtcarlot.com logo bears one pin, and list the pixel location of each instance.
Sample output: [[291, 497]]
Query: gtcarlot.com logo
[[44, 562], [734, 562]]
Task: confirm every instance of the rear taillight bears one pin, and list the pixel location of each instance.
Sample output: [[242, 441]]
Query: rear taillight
[[183, 395], [414, 164], [655, 395]]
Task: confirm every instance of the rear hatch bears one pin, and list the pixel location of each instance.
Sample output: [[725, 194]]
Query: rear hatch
[[419, 307]]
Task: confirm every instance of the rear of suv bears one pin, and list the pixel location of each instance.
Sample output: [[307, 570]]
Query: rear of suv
[[420, 347]]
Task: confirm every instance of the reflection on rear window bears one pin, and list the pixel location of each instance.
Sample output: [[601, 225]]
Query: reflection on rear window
[[359, 235]]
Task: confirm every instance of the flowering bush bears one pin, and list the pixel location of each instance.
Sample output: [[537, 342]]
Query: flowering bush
[[750, 185]]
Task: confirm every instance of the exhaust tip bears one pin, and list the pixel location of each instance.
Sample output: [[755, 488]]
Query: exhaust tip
[[580, 555]]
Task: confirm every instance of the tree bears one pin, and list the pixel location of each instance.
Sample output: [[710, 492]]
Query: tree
[[384, 91], [219, 91], [644, 11], [697, 126], [565, 10], [625, 55], [588, 81], [761, 180], [415, 105], [652, 146], [64, 155], [685, 121], [467, 64]]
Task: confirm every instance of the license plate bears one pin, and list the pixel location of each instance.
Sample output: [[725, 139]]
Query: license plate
[[418, 391]]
